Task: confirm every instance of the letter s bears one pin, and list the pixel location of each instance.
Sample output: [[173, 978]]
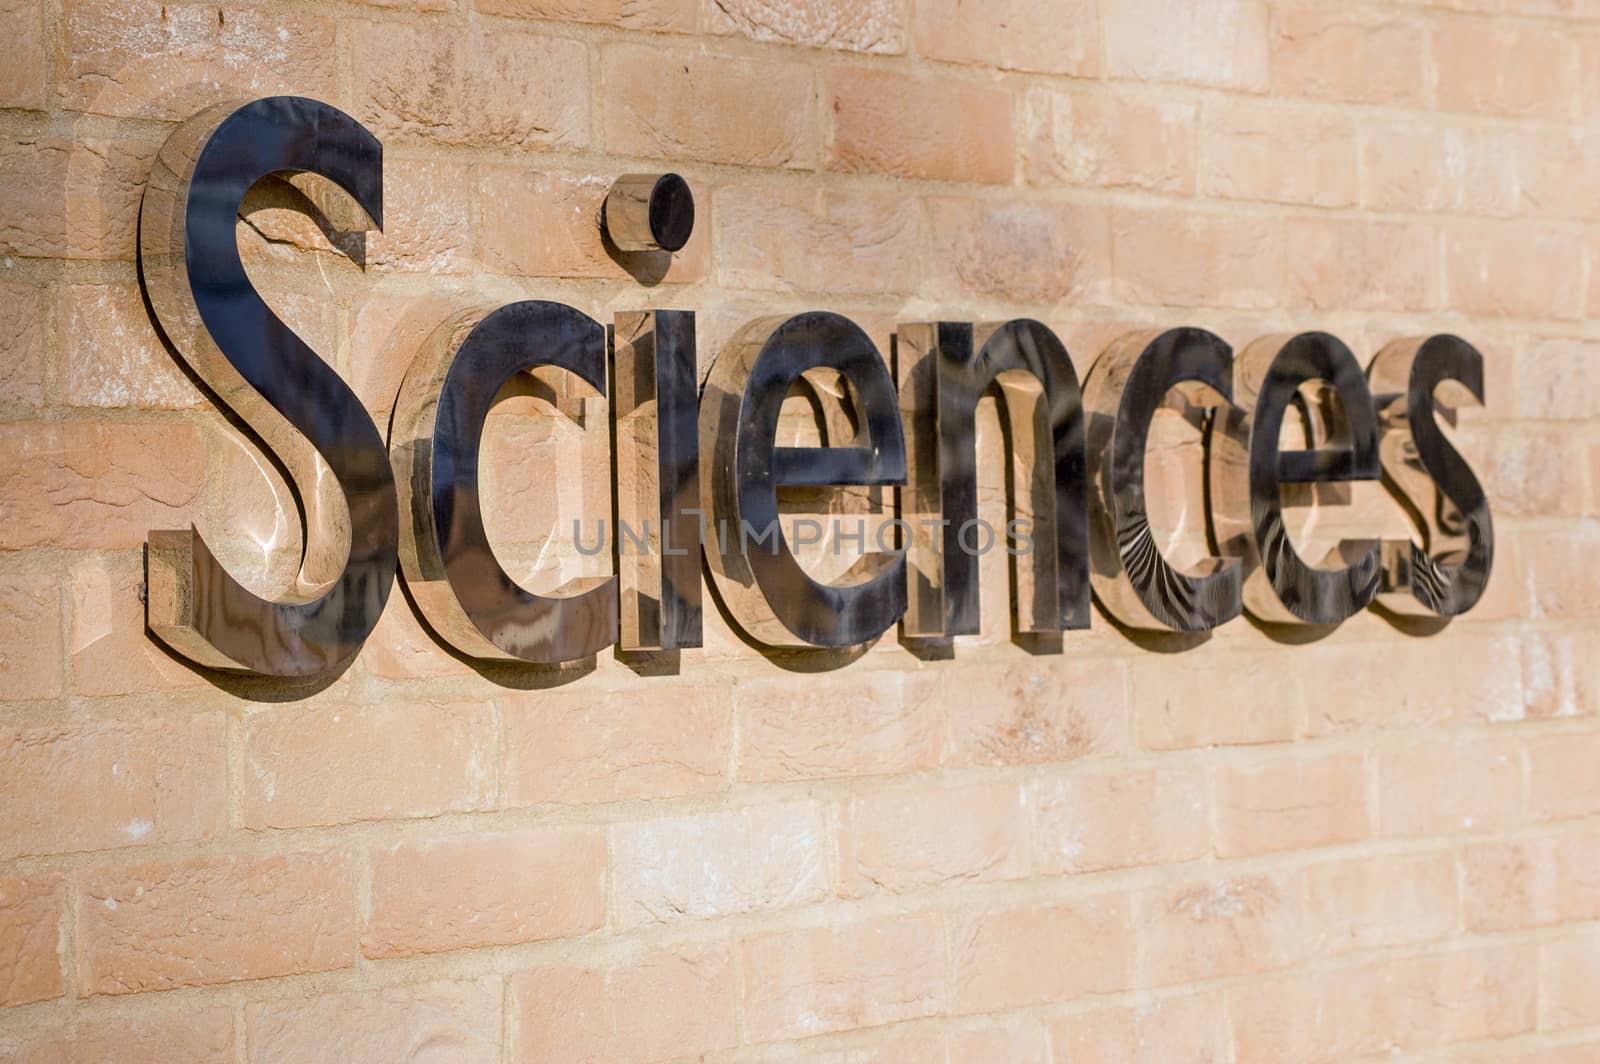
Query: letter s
[[291, 401]]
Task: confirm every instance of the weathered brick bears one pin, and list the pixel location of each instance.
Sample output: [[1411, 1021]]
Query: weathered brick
[[1558, 786], [1570, 972], [73, 198], [863, 974], [22, 318], [1502, 69], [1038, 713], [1225, 699], [1514, 271], [31, 912], [942, 129], [1560, 677], [113, 356], [485, 890], [1019, 253], [1213, 929], [1219, 43], [1047, 36], [96, 785], [459, 1020], [145, 59], [1291, 804], [572, 747], [817, 240], [1355, 264], [1008, 958], [877, 26], [1423, 683], [881, 723], [1442, 786], [716, 864], [30, 637], [200, 1035], [22, 82], [1347, 53], [652, 1007], [706, 107], [218, 919], [1176, 1030], [1167, 256], [1090, 821], [907, 840], [1260, 151], [470, 87], [1530, 882], [667, 15], [1552, 379], [1380, 901], [1557, 581], [332, 763], [1105, 139], [1438, 165]]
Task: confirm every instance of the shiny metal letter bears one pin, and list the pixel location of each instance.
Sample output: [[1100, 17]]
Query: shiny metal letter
[[1137, 375], [449, 567], [658, 478], [760, 580], [288, 398], [1247, 470], [1446, 574], [943, 370]]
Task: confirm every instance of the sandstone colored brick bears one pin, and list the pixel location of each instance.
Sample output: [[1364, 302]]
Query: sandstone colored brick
[[22, 82], [457, 1020], [1019, 253], [1038, 713], [31, 913], [1223, 699], [218, 919], [1558, 174], [77, 484], [1046, 36], [1167, 1030], [22, 318], [1552, 378], [1529, 470], [113, 356], [817, 240], [877, 26], [73, 198], [144, 59], [705, 107], [881, 723], [426, 219], [1386, 1007], [1175, 257], [1570, 972], [1425, 683], [1375, 902], [573, 747], [1014, 1040], [1092, 821], [649, 1008], [112, 654], [30, 637], [1439, 165], [1217, 43], [1291, 804], [666, 15], [811, 981], [1531, 882], [1355, 264], [1278, 154], [908, 840], [1557, 583], [1109, 139], [1560, 677], [1338, 53], [546, 224], [1442, 787], [1514, 271], [486, 890], [1558, 786], [1218, 928], [944, 129], [191, 1034], [96, 785], [1009, 958], [718, 864], [332, 763], [477, 87], [1500, 69]]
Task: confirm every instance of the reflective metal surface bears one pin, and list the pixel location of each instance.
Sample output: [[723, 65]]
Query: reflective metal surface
[[760, 580], [1185, 369], [288, 398], [649, 212], [658, 478], [943, 369], [1247, 471], [1445, 575], [439, 415]]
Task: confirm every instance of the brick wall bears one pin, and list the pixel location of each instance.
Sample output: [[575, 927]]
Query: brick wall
[[1251, 848]]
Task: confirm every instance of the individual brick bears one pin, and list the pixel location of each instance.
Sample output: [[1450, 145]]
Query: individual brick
[[876, 26], [1537, 882], [1278, 154], [1037, 713], [1489, 68], [941, 129], [1347, 53], [196, 1035], [676, 16], [908, 840], [1044, 36], [880, 723], [1356, 264], [1106, 139], [486, 890], [1401, 167], [1216, 43], [96, 785], [113, 356], [1560, 676], [707, 107], [458, 1019], [22, 82], [22, 318], [333, 763], [31, 662], [1444, 786], [1291, 804], [817, 240], [1019, 252], [1166, 256], [1487, 271], [1370, 903], [1010, 958], [219, 919], [31, 912], [1089, 821], [863, 974], [1219, 928], [1223, 699], [73, 198], [1570, 970], [1167, 1029], [1552, 378], [1558, 787]]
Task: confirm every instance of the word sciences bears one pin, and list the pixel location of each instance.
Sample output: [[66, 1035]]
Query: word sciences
[[700, 473]]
